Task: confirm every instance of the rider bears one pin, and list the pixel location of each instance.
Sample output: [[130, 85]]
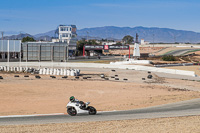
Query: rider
[[83, 105]]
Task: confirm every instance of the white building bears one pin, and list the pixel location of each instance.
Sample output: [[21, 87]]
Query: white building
[[66, 33], [144, 42], [108, 43]]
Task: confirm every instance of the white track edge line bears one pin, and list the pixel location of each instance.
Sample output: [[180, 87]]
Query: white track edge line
[[12, 116], [33, 115]]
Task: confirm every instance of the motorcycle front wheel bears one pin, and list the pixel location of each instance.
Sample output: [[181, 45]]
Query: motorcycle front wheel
[[71, 111], [92, 110]]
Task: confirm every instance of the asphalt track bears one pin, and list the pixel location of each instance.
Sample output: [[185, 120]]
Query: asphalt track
[[179, 52], [184, 108]]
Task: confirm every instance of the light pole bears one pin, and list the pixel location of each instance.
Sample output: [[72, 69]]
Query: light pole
[[20, 45], [2, 45], [14, 49], [8, 55]]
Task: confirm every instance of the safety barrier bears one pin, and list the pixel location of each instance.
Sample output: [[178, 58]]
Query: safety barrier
[[43, 71], [130, 61], [95, 65]]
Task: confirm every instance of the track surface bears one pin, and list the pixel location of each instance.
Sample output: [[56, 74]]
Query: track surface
[[185, 108], [179, 52]]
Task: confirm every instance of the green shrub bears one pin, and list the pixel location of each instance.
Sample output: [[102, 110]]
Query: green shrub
[[168, 58]]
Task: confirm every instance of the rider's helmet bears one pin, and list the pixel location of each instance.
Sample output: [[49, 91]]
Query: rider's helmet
[[72, 98]]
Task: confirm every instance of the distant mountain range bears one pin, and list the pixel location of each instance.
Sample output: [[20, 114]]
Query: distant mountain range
[[152, 34]]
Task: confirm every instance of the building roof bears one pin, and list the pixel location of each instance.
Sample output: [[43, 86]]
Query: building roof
[[73, 26]]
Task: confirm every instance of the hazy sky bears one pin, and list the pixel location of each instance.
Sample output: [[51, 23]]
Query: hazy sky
[[38, 16]]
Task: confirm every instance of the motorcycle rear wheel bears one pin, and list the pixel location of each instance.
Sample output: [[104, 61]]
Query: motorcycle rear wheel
[[71, 111]]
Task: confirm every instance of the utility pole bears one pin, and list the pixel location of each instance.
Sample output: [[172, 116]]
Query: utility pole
[[2, 45], [2, 34]]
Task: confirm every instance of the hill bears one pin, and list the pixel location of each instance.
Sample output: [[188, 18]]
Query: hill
[[152, 34]]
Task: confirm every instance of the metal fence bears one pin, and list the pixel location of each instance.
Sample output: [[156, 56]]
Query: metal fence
[[10, 45], [10, 49], [35, 51]]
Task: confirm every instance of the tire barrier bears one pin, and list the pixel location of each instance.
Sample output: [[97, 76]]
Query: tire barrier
[[20, 69], [61, 72], [43, 71], [8, 69], [51, 72], [53, 77], [113, 70], [1, 77], [72, 73], [1, 68], [11, 69], [149, 72], [102, 76], [106, 78], [125, 79], [58, 72], [84, 77], [64, 77], [116, 75], [76, 77], [16, 76], [112, 77], [178, 64], [149, 76], [143, 78], [116, 78], [26, 76], [4, 68], [37, 77]]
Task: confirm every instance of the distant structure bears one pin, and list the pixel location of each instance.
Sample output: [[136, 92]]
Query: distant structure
[[144, 42], [2, 35], [61, 48], [108, 43], [66, 34], [136, 52], [137, 38]]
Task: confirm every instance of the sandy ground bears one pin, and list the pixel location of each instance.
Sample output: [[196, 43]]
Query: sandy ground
[[196, 69], [21, 96], [188, 124], [142, 50]]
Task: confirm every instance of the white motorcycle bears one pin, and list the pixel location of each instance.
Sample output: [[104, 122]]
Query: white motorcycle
[[74, 108]]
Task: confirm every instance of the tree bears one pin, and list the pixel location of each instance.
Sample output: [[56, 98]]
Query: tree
[[83, 42], [80, 44], [92, 42], [28, 39], [118, 43], [127, 39]]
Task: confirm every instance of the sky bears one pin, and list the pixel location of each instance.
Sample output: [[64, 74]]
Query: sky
[[39, 16]]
